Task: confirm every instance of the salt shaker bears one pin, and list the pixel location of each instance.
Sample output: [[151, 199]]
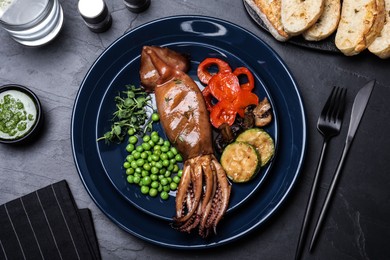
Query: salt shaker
[[95, 14], [137, 6]]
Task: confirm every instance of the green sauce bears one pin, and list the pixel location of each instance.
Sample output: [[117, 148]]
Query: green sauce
[[17, 114]]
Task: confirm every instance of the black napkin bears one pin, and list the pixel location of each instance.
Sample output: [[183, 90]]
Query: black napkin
[[46, 224]]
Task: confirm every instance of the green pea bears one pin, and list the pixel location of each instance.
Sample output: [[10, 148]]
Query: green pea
[[160, 141], [144, 189], [159, 164], [155, 157], [139, 148], [174, 150], [173, 185], [163, 156], [155, 117], [153, 192], [151, 143], [126, 165], [165, 163], [180, 173], [146, 146], [155, 138], [140, 162], [129, 171], [154, 184], [146, 180], [133, 164], [178, 158], [130, 148], [136, 179], [154, 170], [166, 188], [154, 177], [147, 166], [133, 139], [170, 154], [131, 131], [130, 179], [164, 181], [129, 158], [146, 138], [176, 179], [175, 168], [164, 195], [136, 155]]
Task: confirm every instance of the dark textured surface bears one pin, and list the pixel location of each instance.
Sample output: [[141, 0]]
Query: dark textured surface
[[357, 226]]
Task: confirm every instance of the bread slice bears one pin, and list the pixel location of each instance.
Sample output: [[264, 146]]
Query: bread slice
[[381, 45], [299, 15], [269, 12], [378, 22], [361, 21], [326, 24]]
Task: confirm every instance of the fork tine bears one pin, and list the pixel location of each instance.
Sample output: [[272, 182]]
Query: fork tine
[[330, 116], [327, 106], [337, 104], [340, 109]]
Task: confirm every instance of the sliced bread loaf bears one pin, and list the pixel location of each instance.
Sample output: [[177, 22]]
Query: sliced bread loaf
[[361, 21], [299, 15], [270, 13], [381, 45], [326, 24]]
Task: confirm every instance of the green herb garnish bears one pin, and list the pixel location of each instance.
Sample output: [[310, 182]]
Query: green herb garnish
[[131, 106]]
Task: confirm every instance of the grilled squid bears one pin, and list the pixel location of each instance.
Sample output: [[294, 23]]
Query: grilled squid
[[203, 193]]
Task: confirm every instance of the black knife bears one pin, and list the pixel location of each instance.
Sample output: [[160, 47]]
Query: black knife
[[358, 107]]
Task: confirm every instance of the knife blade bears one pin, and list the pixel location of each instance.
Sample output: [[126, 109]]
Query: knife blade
[[358, 108]]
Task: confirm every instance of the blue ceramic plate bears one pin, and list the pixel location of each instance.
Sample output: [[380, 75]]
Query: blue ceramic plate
[[99, 165]]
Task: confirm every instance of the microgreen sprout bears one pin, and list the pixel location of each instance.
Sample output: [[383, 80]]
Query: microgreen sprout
[[132, 105]]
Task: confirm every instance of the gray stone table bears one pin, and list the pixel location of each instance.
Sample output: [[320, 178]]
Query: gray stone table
[[358, 225]]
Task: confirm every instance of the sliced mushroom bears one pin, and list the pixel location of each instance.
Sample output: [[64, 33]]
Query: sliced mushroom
[[262, 113]]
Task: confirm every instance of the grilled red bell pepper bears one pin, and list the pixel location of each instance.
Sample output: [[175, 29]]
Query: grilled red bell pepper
[[222, 112], [205, 75], [250, 84], [224, 86]]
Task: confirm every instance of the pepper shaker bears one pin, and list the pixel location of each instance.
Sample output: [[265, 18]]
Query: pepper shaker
[[95, 14], [137, 6]]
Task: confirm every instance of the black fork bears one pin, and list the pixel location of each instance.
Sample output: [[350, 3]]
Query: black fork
[[329, 125]]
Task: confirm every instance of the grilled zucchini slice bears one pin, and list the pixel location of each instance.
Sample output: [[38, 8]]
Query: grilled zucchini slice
[[240, 161], [261, 140]]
